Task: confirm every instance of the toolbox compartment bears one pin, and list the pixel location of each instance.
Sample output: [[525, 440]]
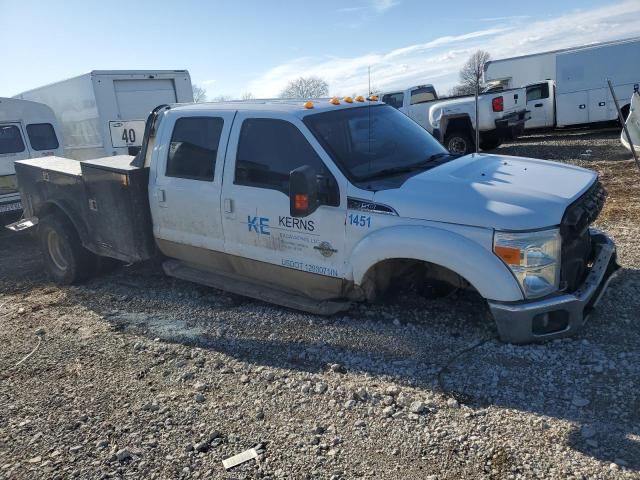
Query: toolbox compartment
[[106, 199]]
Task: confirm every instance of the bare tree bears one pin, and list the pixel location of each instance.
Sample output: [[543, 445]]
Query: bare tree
[[309, 87], [471, 73], [199, 94], [247, 96]]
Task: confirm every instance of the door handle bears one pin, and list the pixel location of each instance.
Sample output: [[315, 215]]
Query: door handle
[[228, 205], [161, 196], [538, 105]]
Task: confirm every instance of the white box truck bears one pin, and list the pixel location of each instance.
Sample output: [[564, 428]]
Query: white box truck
[[569, 87], [103, 112], [27, 130]]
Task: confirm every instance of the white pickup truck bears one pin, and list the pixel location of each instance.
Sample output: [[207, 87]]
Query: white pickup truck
[[550, 108], [315, 205], [502, 115]]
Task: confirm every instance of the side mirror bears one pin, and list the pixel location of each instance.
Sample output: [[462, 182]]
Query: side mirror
[[303, 191]]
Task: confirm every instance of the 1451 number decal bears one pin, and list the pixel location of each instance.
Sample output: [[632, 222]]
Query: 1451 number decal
[[360, 220]]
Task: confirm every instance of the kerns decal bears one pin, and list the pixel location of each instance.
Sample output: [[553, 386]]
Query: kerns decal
[[297, 223]]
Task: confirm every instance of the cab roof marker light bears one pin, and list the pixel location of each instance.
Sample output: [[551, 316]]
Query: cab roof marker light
[[308, 105], [359, 98], [348, 99], [334, 101], [373, 98]]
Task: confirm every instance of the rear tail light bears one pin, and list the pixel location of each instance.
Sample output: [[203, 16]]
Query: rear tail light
[[498, 104]]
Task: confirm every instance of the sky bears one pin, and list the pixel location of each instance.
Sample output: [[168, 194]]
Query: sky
[[234, 47]]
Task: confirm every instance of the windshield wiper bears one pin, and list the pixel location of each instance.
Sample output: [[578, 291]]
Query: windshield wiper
[[386, 172]]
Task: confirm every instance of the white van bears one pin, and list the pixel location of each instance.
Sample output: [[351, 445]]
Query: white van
[[27, 130], [103, 112]]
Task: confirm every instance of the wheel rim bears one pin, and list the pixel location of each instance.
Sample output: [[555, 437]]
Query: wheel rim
[[54, 243], [457, 145]]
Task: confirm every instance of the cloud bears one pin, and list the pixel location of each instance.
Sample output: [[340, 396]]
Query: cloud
[[502, 19], [382, 6], [439, 60]]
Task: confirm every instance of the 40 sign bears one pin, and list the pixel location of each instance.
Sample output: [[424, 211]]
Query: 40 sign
[[126, 134]]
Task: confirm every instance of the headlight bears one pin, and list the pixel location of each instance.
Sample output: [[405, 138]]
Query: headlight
[[533, 257]]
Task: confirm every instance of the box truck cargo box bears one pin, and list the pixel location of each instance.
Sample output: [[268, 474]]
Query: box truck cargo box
[[102, 113]]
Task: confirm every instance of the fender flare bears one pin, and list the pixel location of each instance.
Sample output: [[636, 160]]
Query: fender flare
[[480, 267], [446, 118], [76, 219]]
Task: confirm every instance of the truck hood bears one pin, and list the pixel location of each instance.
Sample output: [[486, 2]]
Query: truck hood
[[491, 191]]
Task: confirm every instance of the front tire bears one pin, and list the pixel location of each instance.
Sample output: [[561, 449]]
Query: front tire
[[459, 143], [66, 260]]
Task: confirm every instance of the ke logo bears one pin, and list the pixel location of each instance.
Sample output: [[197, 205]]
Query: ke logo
[[258, 224]]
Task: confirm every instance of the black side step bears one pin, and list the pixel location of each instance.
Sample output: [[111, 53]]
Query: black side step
[[249, 288]]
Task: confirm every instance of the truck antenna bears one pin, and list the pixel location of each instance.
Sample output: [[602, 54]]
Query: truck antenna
[[477, 129], [369, 68]]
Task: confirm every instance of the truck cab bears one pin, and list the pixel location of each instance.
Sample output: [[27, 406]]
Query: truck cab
[[27, 130], [319, 204]]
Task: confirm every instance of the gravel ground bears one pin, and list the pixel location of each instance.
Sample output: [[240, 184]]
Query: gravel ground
[[137, 375]]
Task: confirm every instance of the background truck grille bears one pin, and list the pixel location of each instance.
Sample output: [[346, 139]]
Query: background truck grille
[[576, 241]]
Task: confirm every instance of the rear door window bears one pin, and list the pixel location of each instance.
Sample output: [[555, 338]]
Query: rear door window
[[538, 92], [10, 139], [394, 99], [42, 136], [194, 148], [423, 95]]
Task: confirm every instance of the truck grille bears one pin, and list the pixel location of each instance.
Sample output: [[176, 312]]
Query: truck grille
[[576, 241]]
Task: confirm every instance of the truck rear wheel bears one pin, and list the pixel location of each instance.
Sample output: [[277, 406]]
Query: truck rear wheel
[[459, 143], [65, 259]]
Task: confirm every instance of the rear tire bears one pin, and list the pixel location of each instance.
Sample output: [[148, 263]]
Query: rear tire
[[66, 260], [459, 143]]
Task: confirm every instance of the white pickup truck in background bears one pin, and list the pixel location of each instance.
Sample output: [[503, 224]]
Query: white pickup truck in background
[[315, 205], [569, 87], [502, 115]]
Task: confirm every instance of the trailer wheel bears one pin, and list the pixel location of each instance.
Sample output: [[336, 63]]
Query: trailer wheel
[[65, 259], [459, 143]]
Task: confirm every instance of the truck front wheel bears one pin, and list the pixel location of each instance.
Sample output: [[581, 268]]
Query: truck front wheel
[[459, 143], [65, 259]]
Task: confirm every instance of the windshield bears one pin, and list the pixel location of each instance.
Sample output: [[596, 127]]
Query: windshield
[[373, 141]]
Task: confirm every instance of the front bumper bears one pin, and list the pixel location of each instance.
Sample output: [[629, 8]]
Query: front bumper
[[563, 314]]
